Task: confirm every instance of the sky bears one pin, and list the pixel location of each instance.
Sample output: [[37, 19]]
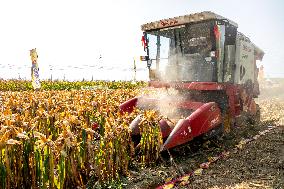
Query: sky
[[100, 39]]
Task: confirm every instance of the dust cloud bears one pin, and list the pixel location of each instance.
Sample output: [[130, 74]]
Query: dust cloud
[[165, 100], [178, 68], [271, 89]]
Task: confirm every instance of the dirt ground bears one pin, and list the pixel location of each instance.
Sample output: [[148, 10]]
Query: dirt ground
[[260, 164]]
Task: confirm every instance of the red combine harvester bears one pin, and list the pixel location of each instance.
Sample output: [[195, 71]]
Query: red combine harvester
[[208, 70]]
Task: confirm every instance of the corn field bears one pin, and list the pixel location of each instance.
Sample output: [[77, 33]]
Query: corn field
[[65, 139], [25, 85]]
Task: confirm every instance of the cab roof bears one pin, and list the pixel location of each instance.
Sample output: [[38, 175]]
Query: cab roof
[[180, 20]]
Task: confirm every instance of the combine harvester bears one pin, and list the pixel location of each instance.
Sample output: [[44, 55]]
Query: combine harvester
[[209, 71]]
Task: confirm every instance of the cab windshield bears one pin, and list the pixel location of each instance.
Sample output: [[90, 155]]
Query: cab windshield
[[183, 53]]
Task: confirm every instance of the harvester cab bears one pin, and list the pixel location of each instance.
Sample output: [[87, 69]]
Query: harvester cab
[[210, 66]]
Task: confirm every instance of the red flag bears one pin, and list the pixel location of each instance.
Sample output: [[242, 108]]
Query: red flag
[[144, 42]]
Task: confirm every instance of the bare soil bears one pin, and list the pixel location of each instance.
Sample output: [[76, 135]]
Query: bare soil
[[259, 165]]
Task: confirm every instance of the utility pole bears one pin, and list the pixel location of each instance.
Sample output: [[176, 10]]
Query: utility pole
[[134, 67], [50, 70]]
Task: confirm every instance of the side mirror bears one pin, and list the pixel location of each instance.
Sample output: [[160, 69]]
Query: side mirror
[[144, 58]]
